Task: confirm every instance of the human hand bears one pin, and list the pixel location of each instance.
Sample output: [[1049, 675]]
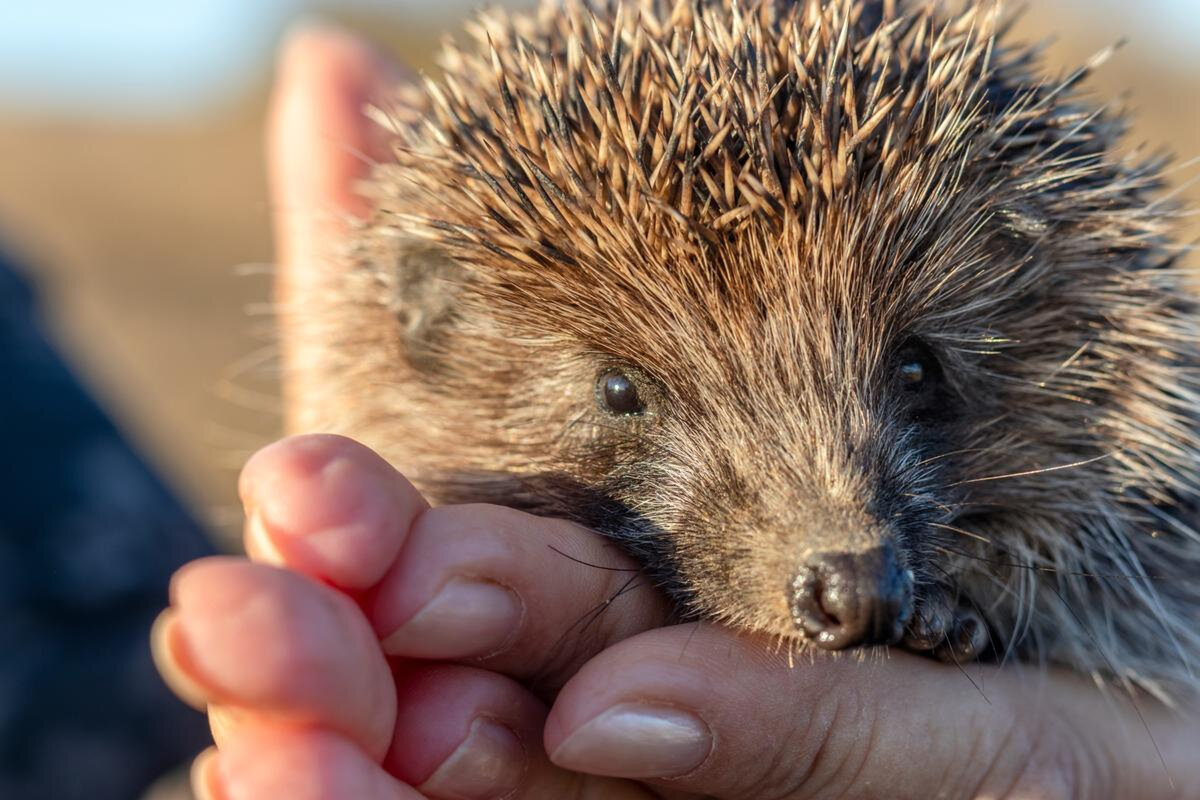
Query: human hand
[[364, 678], [307, 702]]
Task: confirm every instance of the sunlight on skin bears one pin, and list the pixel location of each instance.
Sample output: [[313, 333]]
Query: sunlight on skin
[[275, 651]]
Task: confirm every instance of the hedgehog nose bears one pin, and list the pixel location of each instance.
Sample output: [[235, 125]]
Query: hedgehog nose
[[842, 600]]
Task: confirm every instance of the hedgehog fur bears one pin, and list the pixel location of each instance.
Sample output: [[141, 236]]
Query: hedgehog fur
[[747, 209]]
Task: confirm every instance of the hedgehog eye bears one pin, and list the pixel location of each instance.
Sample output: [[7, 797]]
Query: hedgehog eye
[[911, 373], [618, 394], [916, 367]]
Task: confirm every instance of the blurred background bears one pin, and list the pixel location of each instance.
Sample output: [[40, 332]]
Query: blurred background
[[131, 181], [132, 192]]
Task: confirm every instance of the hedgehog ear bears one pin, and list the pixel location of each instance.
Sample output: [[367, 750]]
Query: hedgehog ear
[[427, 289]]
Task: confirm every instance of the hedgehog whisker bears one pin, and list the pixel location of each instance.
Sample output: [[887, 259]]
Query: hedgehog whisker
[[960, 530], [589, 564], [964, 451], [1124, 681], [583, 623], [1037, 568], [1028, 473]]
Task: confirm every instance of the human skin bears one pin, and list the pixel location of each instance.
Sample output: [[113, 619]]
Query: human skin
[[331, 669]]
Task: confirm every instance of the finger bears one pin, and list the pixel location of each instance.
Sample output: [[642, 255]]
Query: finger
[[318, 138], [327, 507], [264, 761], [529, 596], [464, 734], [254, 637], [711, 712], [204, 778], [319, 145]]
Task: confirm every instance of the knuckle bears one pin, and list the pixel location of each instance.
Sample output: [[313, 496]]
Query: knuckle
[[1060, 763], [478, 538], [826, 752], [441, 520]]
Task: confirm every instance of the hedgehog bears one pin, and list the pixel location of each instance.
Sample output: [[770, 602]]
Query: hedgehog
[[852, 326]]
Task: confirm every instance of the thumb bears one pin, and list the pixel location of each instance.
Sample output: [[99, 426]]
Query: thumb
[[701, 709], [319, 145]]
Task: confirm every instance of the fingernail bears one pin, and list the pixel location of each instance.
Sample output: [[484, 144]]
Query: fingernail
[[488, 764], [467, 618], [224, 721], [637, 741], [170, 656], [205, 776], [259, 545], [314, 501]]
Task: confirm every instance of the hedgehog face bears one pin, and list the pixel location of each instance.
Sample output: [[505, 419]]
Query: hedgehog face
[[771, 468], [803, 504], [797, 504], [844, 322], [835, 452]]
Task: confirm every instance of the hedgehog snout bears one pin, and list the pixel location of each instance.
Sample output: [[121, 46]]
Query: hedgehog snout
[[849, 599]]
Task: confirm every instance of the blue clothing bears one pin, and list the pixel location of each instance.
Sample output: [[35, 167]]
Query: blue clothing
[[88, 539]]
